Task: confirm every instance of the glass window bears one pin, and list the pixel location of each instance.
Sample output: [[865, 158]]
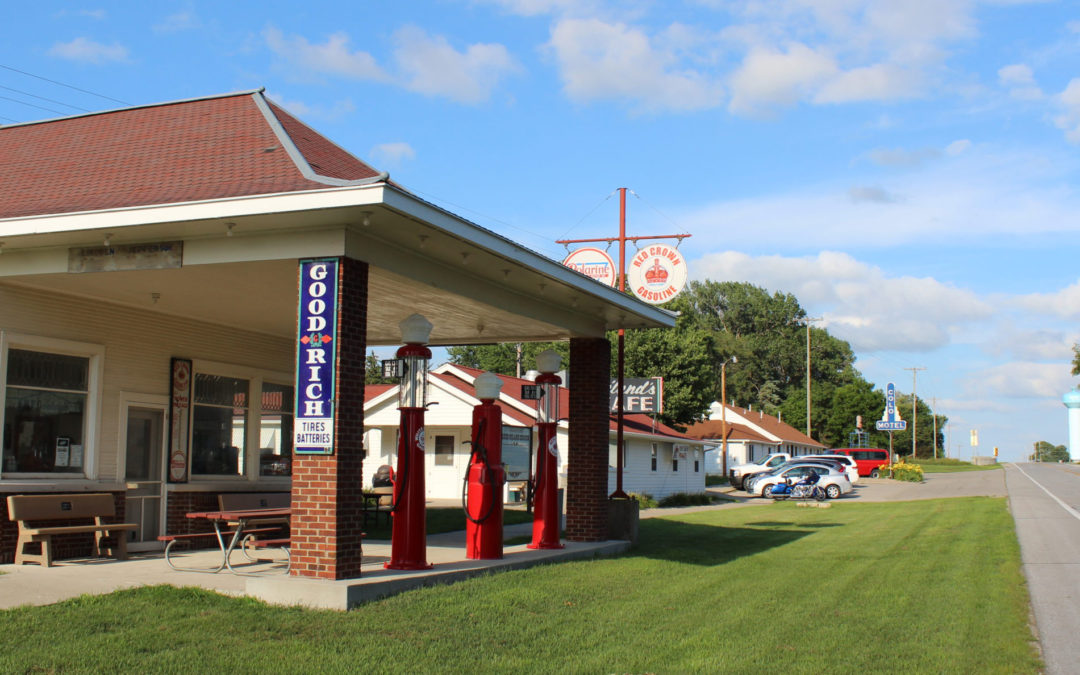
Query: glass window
[[219, 425], [444, 451], [276, 430], [652, 457], [45, 412]]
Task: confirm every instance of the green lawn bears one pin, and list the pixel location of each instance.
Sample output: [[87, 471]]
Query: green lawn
[[948, 465], [444, 519], [916, 587]]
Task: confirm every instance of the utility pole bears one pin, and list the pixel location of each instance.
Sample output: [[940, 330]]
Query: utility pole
[[933, 411], [620, 368], [914, 407], [809, 320]]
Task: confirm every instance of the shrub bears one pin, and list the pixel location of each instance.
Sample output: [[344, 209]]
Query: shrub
[[901, 470], [644, 500], [686, 499]]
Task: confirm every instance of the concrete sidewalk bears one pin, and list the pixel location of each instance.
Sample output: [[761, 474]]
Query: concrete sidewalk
[[36, 585]]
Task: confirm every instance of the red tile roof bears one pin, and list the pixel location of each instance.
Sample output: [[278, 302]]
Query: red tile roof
[[227, 146], [711, 428]]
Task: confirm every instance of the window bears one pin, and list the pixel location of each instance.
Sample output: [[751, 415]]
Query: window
[[219, 425], [697, 461], [674, 459], [276, 430], [652, 457], [45, 412], [444, 451], [613, 459]]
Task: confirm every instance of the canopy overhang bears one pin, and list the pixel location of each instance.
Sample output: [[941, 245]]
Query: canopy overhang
[[239, 266]]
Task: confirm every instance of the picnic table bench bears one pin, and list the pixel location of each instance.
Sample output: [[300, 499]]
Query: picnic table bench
[[30, 511]]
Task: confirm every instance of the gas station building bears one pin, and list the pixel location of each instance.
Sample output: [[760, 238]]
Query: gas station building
[[150, 282]]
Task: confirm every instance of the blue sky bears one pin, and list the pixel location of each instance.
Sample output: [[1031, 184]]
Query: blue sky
[[907, 169]]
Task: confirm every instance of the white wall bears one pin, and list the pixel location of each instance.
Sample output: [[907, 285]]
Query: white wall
[[139, 344]]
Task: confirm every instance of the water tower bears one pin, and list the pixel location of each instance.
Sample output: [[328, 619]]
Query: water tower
[[1072, 401]]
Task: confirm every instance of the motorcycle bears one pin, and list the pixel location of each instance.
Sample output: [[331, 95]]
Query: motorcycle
[[805, 489]]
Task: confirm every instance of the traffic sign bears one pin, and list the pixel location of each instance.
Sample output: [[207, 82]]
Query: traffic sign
[[890, 419]]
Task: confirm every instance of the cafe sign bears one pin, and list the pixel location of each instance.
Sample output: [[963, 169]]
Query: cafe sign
[[316, 365], [657, 273], [640, 395]]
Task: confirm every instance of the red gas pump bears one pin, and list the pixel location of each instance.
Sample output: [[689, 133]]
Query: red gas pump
[[485, 477], [408, 539], [546, 513]]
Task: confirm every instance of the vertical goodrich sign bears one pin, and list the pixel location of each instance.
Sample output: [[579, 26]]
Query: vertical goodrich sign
[[316, 366]]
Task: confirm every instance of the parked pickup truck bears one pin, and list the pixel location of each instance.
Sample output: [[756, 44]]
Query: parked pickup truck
[[737, 474]]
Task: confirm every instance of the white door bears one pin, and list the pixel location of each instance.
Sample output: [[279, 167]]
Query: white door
[[144, 474], [445, 466]]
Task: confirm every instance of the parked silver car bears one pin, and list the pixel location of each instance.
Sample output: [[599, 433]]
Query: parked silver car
[[833, 480]]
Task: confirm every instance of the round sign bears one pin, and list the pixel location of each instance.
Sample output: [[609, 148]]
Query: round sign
[[592, 262], [178, 466], [657, 273]]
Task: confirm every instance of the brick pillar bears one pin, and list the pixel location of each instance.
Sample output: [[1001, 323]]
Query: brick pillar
[[327, 505], [587, 458]]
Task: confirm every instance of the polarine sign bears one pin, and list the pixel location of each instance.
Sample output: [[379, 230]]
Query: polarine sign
[[316, 366], [657, 273], [592, 262]]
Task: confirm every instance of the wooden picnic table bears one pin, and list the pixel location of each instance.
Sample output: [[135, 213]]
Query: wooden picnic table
[[245, 523]]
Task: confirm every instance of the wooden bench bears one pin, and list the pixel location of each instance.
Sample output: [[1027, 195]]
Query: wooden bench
[[31, 510]]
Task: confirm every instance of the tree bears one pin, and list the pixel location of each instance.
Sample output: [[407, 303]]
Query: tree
[[1048, 452], [1076, 360], [687, 360], [502, 358]]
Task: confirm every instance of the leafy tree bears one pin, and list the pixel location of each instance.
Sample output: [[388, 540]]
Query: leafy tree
[[1048, 452], [1076, 360], [685, 357], [502, 358]]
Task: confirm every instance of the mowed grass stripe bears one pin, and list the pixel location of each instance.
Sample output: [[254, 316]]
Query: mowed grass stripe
[[927, 586]]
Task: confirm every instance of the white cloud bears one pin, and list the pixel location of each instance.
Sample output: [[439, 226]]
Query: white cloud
[[1069, 119], [603, 61], [1064, 304], [859, 303], [769, 78], [978, 193], [868, 193], [391, 153], [878, 82], [1023, 379], [900, 157], [429, 65], [1019, 79], [86, 50], [423, 63], [332, 57], [179, 21], [957, 147]]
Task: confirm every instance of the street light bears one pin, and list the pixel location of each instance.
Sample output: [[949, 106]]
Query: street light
[[723, 407]]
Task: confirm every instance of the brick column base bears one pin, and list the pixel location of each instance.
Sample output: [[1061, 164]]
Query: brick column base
[[327, 505], [587, 458]]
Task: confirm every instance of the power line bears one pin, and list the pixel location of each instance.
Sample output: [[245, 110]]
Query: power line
[[32, 105], [62, 84], [42, 98]]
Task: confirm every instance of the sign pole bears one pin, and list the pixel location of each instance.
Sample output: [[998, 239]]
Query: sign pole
[[620, 367]]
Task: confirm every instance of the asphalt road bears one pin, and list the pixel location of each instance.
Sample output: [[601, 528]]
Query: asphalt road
[[1045, 503]]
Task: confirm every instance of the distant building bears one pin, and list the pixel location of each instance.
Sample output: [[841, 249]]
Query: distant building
[[751, 435]]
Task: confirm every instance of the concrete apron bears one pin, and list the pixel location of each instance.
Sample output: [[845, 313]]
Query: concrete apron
[[35, 585]]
